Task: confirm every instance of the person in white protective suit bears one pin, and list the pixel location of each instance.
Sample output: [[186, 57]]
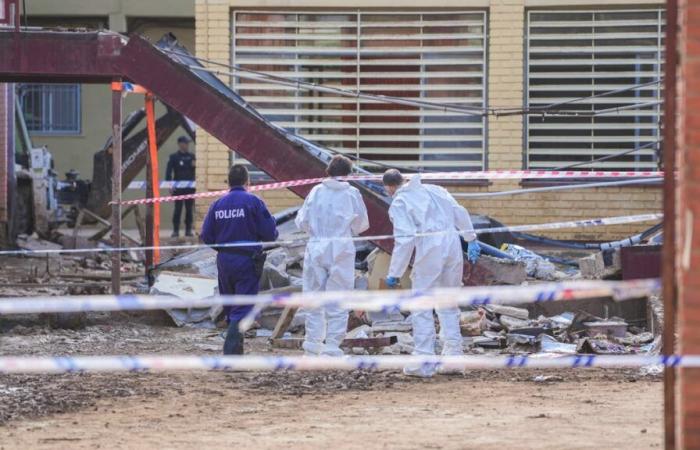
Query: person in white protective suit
[[423, 208], [333, 209]]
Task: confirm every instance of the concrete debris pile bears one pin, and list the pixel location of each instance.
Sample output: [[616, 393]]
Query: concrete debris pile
[[194, 274], [506, 329]]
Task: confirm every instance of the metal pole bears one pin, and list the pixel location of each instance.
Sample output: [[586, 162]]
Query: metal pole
[[116, 184], [669, 282]]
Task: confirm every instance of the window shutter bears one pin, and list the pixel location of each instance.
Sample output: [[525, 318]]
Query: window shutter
[[431, 56], [572, 54]]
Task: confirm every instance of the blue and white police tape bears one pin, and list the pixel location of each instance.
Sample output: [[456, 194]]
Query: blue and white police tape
[[382, 300], [165, 185], [163, 363], [587, 223]]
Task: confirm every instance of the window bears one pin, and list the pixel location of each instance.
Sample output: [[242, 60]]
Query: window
[[616, 56], [430, 56], [52, 109]]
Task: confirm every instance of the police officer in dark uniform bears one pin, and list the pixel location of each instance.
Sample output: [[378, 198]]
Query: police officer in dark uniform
[[238, 216], [181, 167]]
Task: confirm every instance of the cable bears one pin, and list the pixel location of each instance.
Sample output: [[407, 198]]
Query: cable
[[545, 108], [477, 111], [627, 242], [554, 188], [344, 92], [605, 158]]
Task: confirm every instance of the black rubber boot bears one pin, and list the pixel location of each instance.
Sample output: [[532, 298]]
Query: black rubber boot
[[233, 345]]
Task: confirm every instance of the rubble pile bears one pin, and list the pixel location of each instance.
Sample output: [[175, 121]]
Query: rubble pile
[[509, 330]]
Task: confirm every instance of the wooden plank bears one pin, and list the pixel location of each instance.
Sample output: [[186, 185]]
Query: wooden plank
[[283, 322], [369, 342]]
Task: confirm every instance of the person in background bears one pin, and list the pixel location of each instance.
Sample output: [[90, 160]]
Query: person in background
[[333, 210], [181, 167], [238, 216], [424, 208]]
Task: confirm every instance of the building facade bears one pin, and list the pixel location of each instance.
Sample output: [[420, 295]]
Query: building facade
[[594, 66]]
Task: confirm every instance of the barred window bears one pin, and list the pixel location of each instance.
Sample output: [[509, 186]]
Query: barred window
[[604, 70], [51, 109], [430, 56]]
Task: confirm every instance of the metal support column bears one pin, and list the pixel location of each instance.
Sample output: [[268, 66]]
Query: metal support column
[[116, 184], [669, 167]]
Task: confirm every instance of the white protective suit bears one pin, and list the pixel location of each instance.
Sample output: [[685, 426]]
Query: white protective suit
[[332, 209], [421, 208]]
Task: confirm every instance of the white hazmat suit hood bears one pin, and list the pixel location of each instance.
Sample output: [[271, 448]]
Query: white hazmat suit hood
[[333, 209], [424, 208]]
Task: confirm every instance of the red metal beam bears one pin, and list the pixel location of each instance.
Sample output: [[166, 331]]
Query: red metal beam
[[53, 56], [229, 122]]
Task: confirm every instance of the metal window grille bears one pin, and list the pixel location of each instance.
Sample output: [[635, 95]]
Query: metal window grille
[[51, 109], [432, 56], [572, 54]]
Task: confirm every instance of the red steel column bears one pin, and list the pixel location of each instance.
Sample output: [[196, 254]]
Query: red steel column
[[687, 218]]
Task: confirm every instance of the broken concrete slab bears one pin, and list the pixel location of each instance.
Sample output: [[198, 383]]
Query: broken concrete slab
[[510, 323], [472, 323], [548, 344], [512, 311], [494, 271], [592, 266], [382, 326], [404, 344], [187, 286], [608, 328]]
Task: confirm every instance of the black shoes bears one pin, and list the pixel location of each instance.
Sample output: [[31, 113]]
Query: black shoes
[[175, 234], [233, 345], [189, 233]]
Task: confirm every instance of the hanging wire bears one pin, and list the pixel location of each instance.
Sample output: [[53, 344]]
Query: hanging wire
[[607, 157], [555, 188], [546, 109], [236, 71]]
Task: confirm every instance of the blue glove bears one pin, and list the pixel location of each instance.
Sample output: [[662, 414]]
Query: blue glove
[[473, 251], [392, 282]]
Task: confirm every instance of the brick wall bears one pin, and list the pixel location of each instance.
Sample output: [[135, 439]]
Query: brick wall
[[505, 134], [212, 41], [688, 217]]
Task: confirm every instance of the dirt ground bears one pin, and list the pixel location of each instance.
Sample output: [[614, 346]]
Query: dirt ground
[[483, 409]]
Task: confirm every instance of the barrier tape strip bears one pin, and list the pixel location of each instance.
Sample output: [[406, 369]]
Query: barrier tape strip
[[586, 223], [158, 363], [490, 175], [384, 300], [165, 185]]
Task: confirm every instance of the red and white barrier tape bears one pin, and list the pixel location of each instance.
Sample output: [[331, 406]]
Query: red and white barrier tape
[[586, 223], [140, 185], [480, 175]]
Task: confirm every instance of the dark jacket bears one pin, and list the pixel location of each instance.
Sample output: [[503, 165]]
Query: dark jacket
[[238, 216], [180, 167]]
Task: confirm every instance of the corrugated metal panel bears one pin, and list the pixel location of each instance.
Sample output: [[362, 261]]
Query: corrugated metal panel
[[432, 56], [573, 54]]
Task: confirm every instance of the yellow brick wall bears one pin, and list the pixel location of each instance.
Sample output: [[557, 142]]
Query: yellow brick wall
[[505, 134]]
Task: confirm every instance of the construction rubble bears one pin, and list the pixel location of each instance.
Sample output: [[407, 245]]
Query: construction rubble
[[591, 327]]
